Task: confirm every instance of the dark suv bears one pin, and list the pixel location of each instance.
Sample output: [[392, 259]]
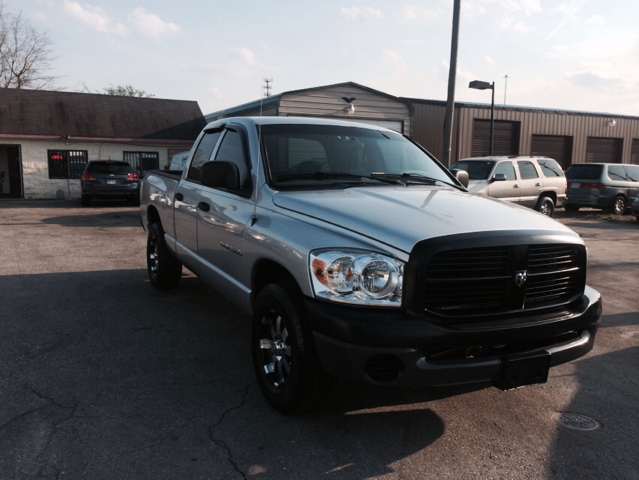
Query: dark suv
[[110, 179], [608, 186]]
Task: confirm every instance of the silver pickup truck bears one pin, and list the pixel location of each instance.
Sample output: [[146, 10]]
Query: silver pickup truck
[[359, 256]]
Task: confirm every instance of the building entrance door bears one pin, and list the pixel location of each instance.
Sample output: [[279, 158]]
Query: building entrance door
[[10, 172]]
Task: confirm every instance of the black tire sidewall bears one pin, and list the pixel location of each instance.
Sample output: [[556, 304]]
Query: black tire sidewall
[[551, 205], [169, 269], [296, 394]]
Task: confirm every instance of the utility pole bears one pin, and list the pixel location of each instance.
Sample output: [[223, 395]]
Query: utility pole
[[267, 87], [452, 73]]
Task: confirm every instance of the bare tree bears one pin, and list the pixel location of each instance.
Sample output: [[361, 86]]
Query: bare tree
[[127, 91], [25, 53]]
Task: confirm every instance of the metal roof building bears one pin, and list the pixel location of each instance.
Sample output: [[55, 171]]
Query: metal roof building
[[567, 136], [346, 101]]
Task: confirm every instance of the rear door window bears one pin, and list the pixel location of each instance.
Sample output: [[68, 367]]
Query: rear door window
[[527, 170], [616, 172], [632, 172]]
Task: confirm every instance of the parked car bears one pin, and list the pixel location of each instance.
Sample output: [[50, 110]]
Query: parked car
[[635, 208], [110, 179], [361, 257], [607, 186], [535, 182]]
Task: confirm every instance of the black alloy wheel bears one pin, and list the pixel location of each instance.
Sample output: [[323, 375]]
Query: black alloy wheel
[[284, 358]]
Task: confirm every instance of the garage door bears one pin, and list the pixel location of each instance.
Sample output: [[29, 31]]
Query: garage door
[[634, 156], [554, 146], [603, 150], [505, 138]]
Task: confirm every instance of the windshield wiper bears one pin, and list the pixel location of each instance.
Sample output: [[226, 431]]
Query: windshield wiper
[[415, 177], [333, 176]]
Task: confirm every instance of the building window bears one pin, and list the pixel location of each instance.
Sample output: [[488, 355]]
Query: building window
[[66, 163], [143, 160]]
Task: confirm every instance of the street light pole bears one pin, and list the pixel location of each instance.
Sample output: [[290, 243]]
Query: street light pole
[[479, 85], [492, 120]]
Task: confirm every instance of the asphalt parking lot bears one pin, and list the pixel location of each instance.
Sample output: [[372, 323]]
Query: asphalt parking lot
[[103, 377]]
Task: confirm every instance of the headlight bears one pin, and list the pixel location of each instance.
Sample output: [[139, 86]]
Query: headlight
[[357, 277]]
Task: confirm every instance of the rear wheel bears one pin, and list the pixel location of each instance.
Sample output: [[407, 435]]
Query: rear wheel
[[545, 206], [284, 357], [618, 206], [164, 269]]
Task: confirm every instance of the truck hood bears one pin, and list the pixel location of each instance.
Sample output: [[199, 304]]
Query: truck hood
[[402, 216]]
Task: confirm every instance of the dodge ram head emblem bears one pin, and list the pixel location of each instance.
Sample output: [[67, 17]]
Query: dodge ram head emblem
[[520, 278]]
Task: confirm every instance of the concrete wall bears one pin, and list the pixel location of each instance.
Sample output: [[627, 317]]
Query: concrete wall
[[35, 169]]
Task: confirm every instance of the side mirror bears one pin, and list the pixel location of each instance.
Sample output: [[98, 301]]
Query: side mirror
[[461, 176], [499, 177], [219, 174]]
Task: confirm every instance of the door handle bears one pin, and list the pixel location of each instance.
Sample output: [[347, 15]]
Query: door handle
[[515, 186], [537, 184], [179, 197], [204, 206]]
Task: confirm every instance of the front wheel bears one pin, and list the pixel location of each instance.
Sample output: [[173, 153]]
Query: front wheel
[[618, 206], [284, 358], [545, 206], [164, 269]]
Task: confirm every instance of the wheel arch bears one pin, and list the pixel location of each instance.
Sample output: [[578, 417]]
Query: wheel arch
[[550, 194], [153, 216], [268, 271]]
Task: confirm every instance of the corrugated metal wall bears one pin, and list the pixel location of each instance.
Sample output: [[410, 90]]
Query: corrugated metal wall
[[428, 124], [328, 102]]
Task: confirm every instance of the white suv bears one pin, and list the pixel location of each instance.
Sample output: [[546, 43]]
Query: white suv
[[535, 182]]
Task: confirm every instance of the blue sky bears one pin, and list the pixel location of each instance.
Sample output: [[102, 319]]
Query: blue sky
[[576, 55]]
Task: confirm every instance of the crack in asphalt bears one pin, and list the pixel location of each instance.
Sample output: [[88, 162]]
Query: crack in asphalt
[[221, 443], [54, 429]]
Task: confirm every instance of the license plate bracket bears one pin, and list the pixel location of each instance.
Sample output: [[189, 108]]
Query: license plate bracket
[[525, 369]]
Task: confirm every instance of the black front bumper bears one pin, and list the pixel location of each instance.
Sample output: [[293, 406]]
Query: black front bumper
[[396, 348]]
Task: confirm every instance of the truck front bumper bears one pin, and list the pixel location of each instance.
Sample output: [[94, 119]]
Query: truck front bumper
[[386, 348]]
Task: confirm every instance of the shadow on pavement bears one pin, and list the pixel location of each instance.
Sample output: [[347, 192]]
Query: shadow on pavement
[[608, 394], [105, 377]]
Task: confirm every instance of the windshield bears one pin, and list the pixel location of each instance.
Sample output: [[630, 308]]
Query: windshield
[[477, 169], [317, 156]]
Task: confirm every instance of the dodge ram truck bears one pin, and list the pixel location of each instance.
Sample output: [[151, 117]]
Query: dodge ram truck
[[357, 255]]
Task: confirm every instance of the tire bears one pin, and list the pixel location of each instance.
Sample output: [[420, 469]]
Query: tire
[[619, 205], [284, 358], [571, 208], [86, 200], [545, 206], [163, 268]]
